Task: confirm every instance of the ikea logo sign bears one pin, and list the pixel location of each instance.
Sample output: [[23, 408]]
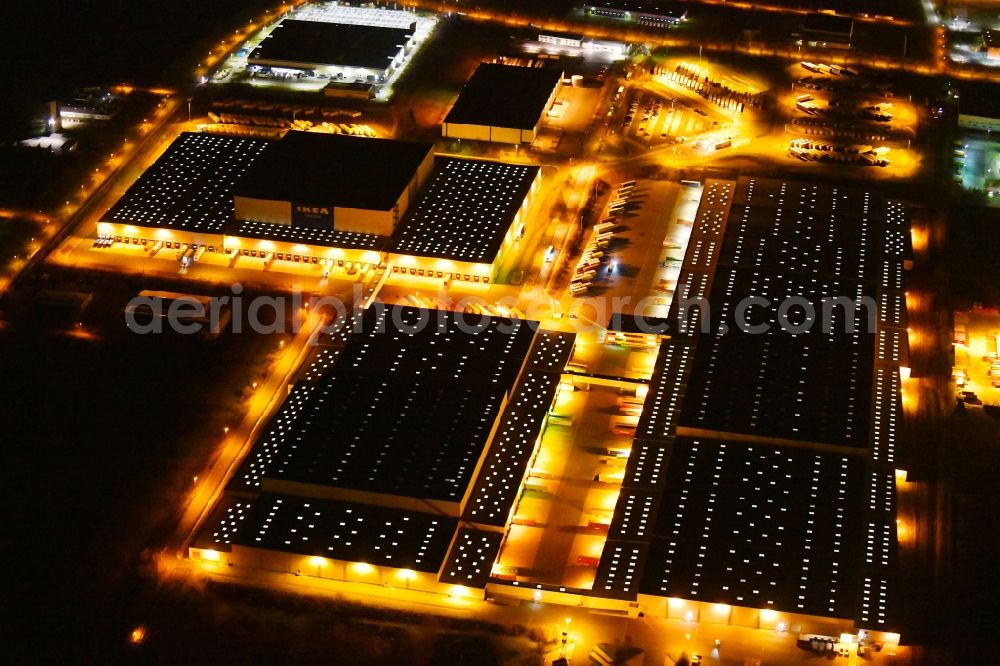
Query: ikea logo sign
[[312, 210]]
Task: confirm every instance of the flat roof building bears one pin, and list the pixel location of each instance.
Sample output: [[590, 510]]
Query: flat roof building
[[402, 419], [977, 108], [190, 187], [503, 103], [351, 51], [380, 447], [273, 528], [317, 195], [827, 30], [652, 14], [495, 493], [469, 212], [787, 483], [333, 181], [573, 39]]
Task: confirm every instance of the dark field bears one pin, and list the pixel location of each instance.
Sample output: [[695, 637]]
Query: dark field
[[103, 432]]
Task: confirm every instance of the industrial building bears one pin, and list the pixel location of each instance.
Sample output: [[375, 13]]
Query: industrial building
[[503, 103], [643, 13], [332, 181], [574, 39], [423, 436], [828, 31], [364, 472], [468, 218], [346, 52], [977, 109], [787, 484], [312, 197]]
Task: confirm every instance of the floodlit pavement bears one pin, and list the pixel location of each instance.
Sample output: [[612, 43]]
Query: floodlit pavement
[[638, 261], [976, 359], [561, 523], [212, 268], [664, 641]]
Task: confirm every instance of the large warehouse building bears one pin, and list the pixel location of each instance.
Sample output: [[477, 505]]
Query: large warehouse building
[[332, 181], [313, 197], [787, 484], [338, 50], [772, 506], [503, 103], [367, 468]]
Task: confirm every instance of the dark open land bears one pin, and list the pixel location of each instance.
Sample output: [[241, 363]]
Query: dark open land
[[103, 432], [975, 247]]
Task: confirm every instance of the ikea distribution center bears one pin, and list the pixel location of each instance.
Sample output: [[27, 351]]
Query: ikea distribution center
[[333, 199]]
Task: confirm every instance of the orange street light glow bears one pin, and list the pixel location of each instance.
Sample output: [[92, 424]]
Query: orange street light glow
[[137, 635]]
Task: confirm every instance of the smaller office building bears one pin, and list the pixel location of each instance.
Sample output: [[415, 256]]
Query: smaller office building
[[503, 103], [561, 39]]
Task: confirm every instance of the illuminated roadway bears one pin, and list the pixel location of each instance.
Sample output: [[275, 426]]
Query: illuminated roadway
[[937, 64], [266, 399], [124, 169], [659, 638], [776, 9]]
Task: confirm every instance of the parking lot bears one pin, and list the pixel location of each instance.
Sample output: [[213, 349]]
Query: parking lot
[[676, 107], [838, 115], [644, 247], [809, 150], [654, 119]]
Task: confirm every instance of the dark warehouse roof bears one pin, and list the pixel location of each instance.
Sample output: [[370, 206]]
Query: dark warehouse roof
[[505, 96]]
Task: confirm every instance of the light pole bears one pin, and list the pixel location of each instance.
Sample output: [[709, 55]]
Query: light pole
[[189, 100]]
